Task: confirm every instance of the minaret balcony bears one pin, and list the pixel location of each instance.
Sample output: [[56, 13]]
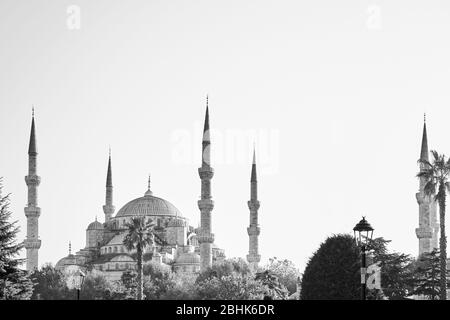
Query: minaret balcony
[[424, 232], [109, 209], [32, 212], [206, 172], [253, 258], [32, 180], [32, 243], [205, 204], [253, 205], [205, 237], [253, 231]]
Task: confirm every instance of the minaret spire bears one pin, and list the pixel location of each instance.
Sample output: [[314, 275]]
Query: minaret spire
[[424, 148], [206, 204], [253, 230], [32, 148], [428, 229], [109, 208], [206, 142], [32, 242]]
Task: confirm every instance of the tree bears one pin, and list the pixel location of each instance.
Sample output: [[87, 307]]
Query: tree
[[128, 285], [275, 290], [436, 176], [428, 276], [97, 287], [333, 271], [158, 279], [139, 236], [182, 287], [396, 269], [49, 284], [15, 283], [286, 272], [225, 268], [230, 287]]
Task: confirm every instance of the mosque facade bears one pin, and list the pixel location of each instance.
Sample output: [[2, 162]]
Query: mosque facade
[[177, 244]]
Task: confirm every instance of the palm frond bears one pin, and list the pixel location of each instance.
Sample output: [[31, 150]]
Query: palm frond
[[140, 233], [435, 155]]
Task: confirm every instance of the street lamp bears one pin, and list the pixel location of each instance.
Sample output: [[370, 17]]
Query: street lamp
[[78, 279], [363, 234]]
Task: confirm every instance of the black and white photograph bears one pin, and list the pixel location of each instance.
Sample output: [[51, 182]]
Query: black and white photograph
[[265, 151]]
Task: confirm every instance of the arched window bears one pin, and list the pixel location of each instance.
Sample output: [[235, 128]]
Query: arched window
[[109, 249], [115, 249], [122, 250], [117, 266]]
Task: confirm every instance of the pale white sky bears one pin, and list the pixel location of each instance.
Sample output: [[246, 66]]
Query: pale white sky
[[332, 91]]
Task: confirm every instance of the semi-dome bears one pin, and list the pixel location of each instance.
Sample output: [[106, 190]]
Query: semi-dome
[[66, 261], [148, 205], [95, 225]]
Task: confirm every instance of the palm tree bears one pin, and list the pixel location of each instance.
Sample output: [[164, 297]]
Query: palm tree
[[436, 176], [140, 235]]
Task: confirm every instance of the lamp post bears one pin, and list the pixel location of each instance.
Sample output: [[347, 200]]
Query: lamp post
[[363, 234], [78, 279]]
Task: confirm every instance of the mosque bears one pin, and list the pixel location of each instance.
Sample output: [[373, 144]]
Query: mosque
[[178, 244]]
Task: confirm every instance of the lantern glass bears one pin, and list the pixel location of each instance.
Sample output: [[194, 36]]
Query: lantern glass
[[78, 279], [363, 233]]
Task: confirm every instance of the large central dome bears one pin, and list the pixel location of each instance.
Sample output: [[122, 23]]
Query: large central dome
[[148, 205]]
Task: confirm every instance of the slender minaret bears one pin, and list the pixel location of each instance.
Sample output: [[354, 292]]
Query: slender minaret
[[109, 208], [428, 229], [32, 211], [253, 230], [205, 237]]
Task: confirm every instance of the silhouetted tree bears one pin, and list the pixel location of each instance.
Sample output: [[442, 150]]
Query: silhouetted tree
[[15, 283], [333, 271]]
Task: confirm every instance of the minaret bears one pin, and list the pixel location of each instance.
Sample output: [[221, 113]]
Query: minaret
[[32, 211], [428, 229], [109, 208], [253, 230], [205, 204]]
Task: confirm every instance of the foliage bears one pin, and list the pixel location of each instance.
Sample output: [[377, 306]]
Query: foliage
[[274, 289], [286, 272], [182, 287], [230, 287], [97, 287], [158, 279], [333, 271], [50, 284], [428, 276], [128, 285], [436, 177], [225, 268], [397, 271], [15, 283]]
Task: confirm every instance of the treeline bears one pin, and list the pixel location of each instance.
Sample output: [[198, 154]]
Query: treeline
[[229, 280]]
